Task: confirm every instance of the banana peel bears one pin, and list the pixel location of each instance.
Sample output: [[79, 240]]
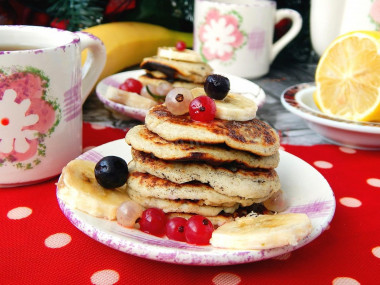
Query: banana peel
[[127, 43]]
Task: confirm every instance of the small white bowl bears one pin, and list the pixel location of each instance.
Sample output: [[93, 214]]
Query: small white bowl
[[298, 99]]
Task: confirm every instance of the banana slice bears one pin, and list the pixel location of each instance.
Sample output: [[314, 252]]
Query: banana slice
[[78, 188], [235, 107], [262, 232], [173, 53], [130, 99]]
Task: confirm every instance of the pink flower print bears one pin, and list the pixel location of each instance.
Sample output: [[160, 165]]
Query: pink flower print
[[27, 117], [13, 119], [220, 35], [375, 11]]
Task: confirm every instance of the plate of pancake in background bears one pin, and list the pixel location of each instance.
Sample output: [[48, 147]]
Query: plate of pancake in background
[[237, 84], [306, 189]]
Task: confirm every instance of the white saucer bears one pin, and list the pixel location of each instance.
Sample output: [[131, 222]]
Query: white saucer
[[237, 84], [298, 99], [318, 202]]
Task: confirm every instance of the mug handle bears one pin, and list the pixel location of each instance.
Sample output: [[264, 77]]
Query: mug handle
[[296, 19], [95, 61]]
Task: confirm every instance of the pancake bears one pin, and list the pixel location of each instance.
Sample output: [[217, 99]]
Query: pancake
[[254, 136], [151, 186], [140, 138], [256, 184], [148, 78], [173, 205], [174, 69], [179, 206]]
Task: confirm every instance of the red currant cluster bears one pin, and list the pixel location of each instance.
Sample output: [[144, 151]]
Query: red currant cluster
[[196, 230]]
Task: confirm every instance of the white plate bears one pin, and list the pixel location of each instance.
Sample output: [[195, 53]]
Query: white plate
[[306, 188], [238, 84], [298, 99]]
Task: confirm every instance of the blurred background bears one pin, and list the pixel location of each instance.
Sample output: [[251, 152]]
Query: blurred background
[[75, 15]]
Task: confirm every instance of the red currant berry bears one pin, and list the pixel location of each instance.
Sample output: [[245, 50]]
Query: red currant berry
[[153, 222], [131, 85], [175, 228], [59, 24], [202, 109], [180, 46], [198, 230]]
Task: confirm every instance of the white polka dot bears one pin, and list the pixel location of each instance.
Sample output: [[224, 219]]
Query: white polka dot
[[345, 281], [19, 213], [226, 278], [57, 240], [284, 256], [376, 251], [375, 182], [98, 127], [105, 277], [350, 202], [347, 150], [323, 164], [87, 148]]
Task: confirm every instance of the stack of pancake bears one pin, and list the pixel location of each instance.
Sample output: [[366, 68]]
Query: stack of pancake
[[214, 169], [179, 68]]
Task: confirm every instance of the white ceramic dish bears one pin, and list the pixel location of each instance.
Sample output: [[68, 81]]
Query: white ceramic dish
[[241, 85], [298, 99], [317, 202]]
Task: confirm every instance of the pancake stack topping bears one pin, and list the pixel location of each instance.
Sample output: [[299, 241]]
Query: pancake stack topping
[[202, 171]]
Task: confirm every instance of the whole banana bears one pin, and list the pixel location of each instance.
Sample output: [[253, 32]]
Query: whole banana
[[127, 43]]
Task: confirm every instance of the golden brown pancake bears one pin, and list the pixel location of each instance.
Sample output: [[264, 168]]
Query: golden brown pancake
[[148, 78], [256, 185], [254, 136], [140, 138], [148, 185], [139, 185], [174, 69]]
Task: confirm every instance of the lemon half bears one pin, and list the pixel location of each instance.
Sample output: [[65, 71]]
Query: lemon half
[[348, 77]]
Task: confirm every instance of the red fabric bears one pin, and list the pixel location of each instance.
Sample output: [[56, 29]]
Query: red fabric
[[349, 251]]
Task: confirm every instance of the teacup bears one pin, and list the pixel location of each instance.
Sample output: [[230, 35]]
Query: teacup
[[42, 89], [236, 36]]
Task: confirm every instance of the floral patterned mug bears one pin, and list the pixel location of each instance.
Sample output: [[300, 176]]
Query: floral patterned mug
[[236, 36], [42, 89]]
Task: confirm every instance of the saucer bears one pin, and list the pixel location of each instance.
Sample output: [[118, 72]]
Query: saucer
[[295, 175], [298, 99]]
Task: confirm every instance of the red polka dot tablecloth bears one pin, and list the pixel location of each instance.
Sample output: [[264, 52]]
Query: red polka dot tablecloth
[[38, 245]]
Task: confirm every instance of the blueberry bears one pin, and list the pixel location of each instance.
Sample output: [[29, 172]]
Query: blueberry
[[111, 172], [217, 86]]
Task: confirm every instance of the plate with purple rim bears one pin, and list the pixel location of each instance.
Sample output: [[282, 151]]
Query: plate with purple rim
[[237, 84], [295, 175], [298, 99]]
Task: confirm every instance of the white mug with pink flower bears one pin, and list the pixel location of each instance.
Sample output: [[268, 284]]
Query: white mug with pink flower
[[42, 89], [236, 36]]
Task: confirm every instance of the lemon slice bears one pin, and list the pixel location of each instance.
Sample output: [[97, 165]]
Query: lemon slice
[[348, 77]]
